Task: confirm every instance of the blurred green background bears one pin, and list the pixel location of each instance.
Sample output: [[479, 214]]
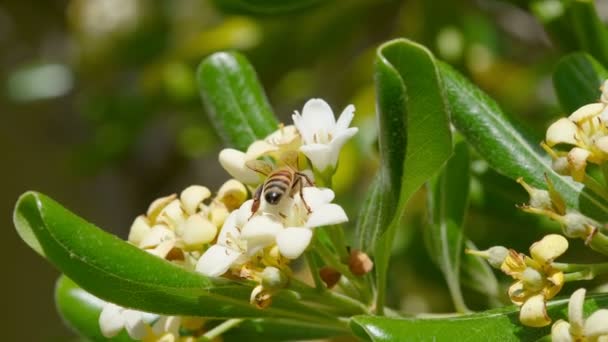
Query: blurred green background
[[101, 111]]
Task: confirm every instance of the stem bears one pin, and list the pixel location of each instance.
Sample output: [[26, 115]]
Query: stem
[[575, 272], [329, 298], [599, 243], [314, 270], [595, 186], [220, 329]]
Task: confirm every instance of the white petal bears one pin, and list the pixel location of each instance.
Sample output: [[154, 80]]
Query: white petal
[[597, 324], [244, 213], [259, 148], [316, 116], [560, 332], [345, 118], [563, 131], [233, 161], [217, 260], [317, 197], [534, 312], [167, 324], [261, 231], [575, 312], [229, 229], [577, 159], [136, 327], [192, 196], [172, 214], [320, 155], [157, 234], [139, 229], [198, 231], [326, 215], [293, 241], [602, 144], [111, 321], [162, 249], [305, 131], [586, 112], [548, 248]]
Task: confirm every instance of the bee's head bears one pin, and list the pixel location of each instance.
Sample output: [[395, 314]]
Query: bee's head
[[272, 197]]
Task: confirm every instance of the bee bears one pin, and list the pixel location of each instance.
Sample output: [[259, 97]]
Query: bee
[[285, 179]]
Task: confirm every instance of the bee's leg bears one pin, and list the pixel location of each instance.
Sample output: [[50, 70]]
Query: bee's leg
[[256, 200], [308, 180], [300, 185]]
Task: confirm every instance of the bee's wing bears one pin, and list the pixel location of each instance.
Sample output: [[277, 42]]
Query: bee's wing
[[259, 166], [289, 158]]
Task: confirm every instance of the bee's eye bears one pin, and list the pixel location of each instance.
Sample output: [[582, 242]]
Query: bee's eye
[[272, 197]]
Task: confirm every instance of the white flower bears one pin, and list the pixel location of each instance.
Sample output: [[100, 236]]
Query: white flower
[[322, 136], [230, 249], [594, 328], [114, 318]]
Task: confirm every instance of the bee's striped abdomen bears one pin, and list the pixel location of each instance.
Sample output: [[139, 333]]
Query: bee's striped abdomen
[[276, 185]]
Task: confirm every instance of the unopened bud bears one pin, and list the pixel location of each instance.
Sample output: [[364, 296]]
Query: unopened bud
[[540, 199], [359, 263], [561, 166], [260, 297], [329, 276], [532, 279], [577, 225], [273, 278], [494, 255]]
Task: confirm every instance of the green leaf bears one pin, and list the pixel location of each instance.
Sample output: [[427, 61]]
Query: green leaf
[[495, 325], [574, 25], [265, 6], [234, 99], [116, 271], [447, 207], [376, 210], [505, 147], [80, 310], [577, 80], [414, 135]]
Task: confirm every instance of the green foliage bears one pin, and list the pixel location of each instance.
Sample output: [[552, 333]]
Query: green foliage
[[234, 99], [577, 80], [495, 325], [274, 7]]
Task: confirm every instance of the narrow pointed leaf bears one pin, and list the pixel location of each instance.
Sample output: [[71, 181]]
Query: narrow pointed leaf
[[234, 99], [448, 204], [116, 271], [414, 136], [577, 80], [496, 325], [506, 148]]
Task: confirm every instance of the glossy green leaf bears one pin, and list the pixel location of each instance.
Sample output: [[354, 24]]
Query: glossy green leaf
[[234, 99], [577, 80], [377, 208], [505, 147], [496, 325], [414, 134], [114, 270], [574, 25], [80, 310], [265, 6], [448, 204]]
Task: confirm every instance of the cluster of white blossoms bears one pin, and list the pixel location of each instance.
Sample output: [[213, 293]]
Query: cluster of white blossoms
[[232, 235], [594, 328], [585, 132]]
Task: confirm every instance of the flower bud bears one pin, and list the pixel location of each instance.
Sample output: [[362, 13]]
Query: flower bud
[[192, 197], [561, 166], [260, 297], [329, 276], [359, 263], [273, 278], [577, 225], [540, 199], [494, 255]]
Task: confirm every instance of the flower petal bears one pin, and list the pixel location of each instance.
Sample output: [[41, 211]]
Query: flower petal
[[345, 118], [233, 161], [139, 229], [198, 231], [548, 248], [157, 234], [317, 197], [111, 321], [232, 193], [261, 231], [158, 205], [577, 160], [562, 131], [321, 156], [316, 116], [217, 260], [586, 112], [560, 332], [134, 323], [230, 230], [597, 324], [258, 149], [193, 196], [575, 312], [534, 313], [326, 215], [293, 241], [602, 144]]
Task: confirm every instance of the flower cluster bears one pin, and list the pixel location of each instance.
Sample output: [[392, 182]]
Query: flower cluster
[[231, 235], [594, 328], [586, 133], [537, 280]]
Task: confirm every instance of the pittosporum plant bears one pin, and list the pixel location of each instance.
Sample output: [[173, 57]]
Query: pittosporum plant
[[272, 255]]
